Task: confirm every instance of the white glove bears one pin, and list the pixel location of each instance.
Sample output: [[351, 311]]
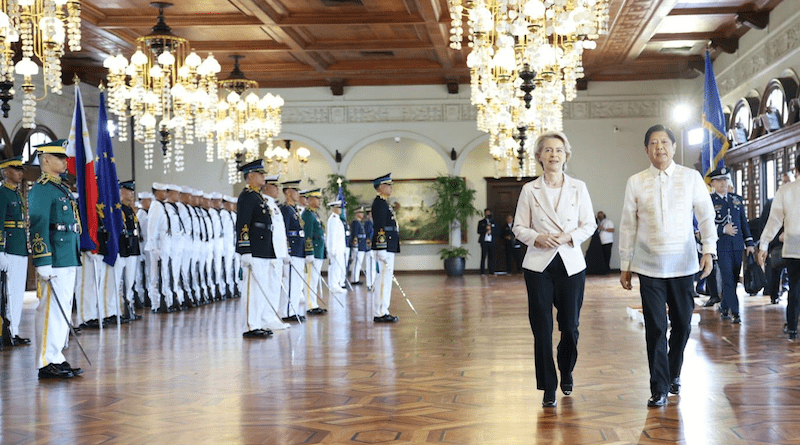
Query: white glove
[[287, 260], [45, 272], [247, 260], [3, 261], [309, 259]]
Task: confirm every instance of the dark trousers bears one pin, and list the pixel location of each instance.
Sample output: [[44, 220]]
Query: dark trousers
[[546, 289], [657, 293], [607, 256], [487, 252], [730, 264], [793, 300], [509, 257]]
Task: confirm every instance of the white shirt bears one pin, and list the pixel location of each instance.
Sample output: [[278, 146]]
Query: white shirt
[[141, 215], [656, 233], [279, 241], [335, 240], [156, 226], [606, 237], [785, 212]]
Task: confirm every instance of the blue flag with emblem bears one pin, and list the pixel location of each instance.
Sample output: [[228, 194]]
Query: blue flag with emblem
[[108, 202], [715, 143], [340, 197]]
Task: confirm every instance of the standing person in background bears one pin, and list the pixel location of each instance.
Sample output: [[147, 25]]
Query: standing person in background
[[509, 240], [386, 243], [145, 198], [314, 250], [13, 244], [55, 244], [734, 234], [554, 216], [369, 255], [129, 250], [785, 212], [486, 236], [657, 242], [606, 228], [280, 245], [293, 301], [358, 245], [336, 246]]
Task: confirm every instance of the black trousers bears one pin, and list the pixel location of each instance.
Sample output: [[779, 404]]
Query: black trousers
[[657, 294], [730, 265], [607, 256], [546, 289], [487, 252], [510, 260], [793, 300]]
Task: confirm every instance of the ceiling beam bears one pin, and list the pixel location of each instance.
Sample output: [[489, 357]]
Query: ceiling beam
[[438, 33], [668, 37], [178, 21], [716, 10], [350, 19], [648, 27]]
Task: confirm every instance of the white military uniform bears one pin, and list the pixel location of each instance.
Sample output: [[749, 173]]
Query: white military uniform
[[156, 233], [228, 248], [275, 266], [144, 260], [336, 246]]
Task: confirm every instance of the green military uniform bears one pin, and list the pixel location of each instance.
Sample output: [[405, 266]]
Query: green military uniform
[[55, 230], [12, 213], [14, 250], [314, 252], [315, 234]]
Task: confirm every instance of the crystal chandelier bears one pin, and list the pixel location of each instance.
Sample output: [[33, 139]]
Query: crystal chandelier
[[169, 90], [526, 57], [40, 28], [243, 122]]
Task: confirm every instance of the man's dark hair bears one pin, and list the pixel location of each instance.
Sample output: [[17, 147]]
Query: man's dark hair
[[656, 128]]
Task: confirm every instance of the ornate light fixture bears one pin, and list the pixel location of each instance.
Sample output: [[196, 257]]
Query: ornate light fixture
[[526, 57], [40, 27], [168, 81], [244, 121]]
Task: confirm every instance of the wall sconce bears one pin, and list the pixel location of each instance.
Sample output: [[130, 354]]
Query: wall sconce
[[453, 154], [338, 157]]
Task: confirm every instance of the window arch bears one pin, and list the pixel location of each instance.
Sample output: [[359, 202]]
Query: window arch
[[27, 138], [742, 119]]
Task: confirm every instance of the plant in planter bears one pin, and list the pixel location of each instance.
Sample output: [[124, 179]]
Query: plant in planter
[[453, 205]]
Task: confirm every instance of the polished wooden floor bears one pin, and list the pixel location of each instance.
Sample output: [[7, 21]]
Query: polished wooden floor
[[461, 372]]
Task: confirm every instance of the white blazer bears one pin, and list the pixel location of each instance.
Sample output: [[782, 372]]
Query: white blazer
[[536, 215]]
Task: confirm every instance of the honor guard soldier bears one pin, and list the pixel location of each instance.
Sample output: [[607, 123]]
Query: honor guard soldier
[[233, 257], [386, 243], [228, 245], [199, 251], [187, 256], [734, 234], [208, 247], [145, 198], [216, 249], [369, 255], [293, 300], [358, 245], [280, 245], [254, 244], [13, 249], [302, 201], [314, 249], [172, 249], [157, 227], [55, 243], [129, 249], [336, 246]]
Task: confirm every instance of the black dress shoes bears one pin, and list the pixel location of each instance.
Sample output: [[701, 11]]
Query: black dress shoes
[[566, 388], [294, 318], [66, 367], [549, 399], [725, 315], [257, 333], [792, 335], [90, 324], [53, 371], [675, 386], [736, 318], [19, 341], [657, 400], [316, 311], [388, 318], [712, 301]]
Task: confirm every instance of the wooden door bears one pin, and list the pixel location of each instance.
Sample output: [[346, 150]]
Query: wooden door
[[502, 195]]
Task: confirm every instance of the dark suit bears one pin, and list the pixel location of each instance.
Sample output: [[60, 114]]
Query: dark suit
[[730, 209], [487, 247], [513, 249]]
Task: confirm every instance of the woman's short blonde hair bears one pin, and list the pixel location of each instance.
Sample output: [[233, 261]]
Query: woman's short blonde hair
[[539, 146]]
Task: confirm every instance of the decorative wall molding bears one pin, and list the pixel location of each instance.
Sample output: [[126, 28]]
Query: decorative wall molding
[[361, 114], [773, 49]]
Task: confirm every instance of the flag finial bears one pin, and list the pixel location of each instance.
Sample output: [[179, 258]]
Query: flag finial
[[75, 78]]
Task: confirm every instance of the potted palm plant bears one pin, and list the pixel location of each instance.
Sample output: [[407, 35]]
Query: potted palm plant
[[453, 205]]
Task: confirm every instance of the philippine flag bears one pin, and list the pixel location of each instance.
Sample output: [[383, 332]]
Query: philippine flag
[[79, 150]]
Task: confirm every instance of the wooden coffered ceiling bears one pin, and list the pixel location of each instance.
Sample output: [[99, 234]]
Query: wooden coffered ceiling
[[337, 43]]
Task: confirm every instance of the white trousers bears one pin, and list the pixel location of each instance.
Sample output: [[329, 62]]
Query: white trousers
[[153, 277], [219, 283], [126, 276], [109, 288], [358, 261], [293, 302], [369, 269], [382, 296], [16, 275], [52, 329], [337, 274], [142, 267], [263, 294], [185, 259], [87, 287], [313, 270]]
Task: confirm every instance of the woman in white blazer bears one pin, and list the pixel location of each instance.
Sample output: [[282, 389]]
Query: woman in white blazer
[[554, 216]]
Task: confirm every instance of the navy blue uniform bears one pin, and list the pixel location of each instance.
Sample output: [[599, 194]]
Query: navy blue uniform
[[730, 209], [386, 236], [253, 225], [369, 230], [294, 230], [358, 236]]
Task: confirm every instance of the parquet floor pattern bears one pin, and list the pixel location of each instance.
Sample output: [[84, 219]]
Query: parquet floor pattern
[[461, 372]]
